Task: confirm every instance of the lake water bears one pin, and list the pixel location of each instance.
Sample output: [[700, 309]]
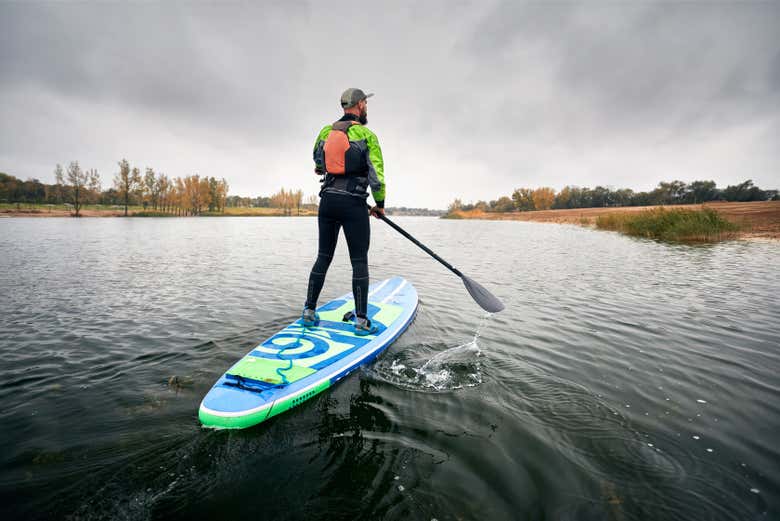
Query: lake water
[[626, 380]]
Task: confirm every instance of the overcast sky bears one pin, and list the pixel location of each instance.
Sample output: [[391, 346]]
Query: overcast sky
[[472, 99]]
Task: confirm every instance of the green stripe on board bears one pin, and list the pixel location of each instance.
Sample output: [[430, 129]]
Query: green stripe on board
[[248, 420], [288, 403], [232, 422]]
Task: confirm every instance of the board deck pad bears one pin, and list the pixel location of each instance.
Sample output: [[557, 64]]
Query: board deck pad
[[298, 362]]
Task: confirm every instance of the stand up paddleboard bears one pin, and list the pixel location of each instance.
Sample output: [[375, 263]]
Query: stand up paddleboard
[[298, 363]]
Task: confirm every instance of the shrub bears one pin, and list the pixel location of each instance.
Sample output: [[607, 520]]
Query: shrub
[[676, 225]]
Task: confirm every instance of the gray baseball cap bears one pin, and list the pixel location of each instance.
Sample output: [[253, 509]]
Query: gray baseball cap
[[350, 97]]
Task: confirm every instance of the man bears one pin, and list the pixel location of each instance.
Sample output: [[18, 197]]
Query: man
[[349, 157]]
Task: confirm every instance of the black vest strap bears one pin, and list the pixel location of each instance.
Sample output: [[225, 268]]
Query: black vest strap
[[343, 126]]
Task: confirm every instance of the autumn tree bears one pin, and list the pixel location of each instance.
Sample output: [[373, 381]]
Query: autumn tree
[[222, 194], [204, 195], [543, 198], [179, 196], [164, 189], [277, 199], [191, 194], [287, 200]]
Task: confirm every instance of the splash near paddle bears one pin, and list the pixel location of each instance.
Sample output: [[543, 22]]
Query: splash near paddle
[[299, 362]]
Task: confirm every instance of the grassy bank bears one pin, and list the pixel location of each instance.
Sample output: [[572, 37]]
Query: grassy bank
[[676, 225], [151, 213], [62, 210], [267, 212], [753, 220]]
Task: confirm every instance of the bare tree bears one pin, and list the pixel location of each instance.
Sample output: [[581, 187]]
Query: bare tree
[[59, 178], [163, 187], [149, 187], [298, 200], [82, 185], [127, 182], [223, 193]]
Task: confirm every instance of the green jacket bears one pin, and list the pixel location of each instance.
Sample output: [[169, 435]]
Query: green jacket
[[365, 142]]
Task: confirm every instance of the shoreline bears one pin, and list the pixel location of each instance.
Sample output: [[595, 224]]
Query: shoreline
[[758, 220], [41, 212], [138, 213]]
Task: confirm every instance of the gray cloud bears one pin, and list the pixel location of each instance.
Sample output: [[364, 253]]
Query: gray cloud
[[473, 99], [632, 66], [196, 62]]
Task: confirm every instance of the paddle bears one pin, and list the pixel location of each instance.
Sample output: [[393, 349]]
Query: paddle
[[483, 297]]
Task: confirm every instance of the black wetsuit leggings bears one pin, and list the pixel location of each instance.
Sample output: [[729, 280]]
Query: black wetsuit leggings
[[351, 213]]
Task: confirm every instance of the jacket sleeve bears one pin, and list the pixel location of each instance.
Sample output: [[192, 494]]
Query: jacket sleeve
[[376, 170], [319, 151]]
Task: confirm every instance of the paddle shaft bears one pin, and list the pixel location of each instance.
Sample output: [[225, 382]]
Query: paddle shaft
[[481, 296], [421, 245]]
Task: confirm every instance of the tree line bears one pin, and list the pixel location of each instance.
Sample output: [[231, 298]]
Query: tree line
[[189, 195], [674, 192], [284, 199]]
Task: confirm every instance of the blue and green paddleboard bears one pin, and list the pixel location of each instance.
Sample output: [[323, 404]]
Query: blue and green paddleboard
[[298, 363]]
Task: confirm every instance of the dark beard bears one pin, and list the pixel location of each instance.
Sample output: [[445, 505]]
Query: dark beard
[[363, 118]]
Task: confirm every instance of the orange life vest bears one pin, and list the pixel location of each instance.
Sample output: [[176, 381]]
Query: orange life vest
[[336, 146]]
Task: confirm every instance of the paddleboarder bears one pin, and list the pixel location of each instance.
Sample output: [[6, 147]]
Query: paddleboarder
[[348, 155]]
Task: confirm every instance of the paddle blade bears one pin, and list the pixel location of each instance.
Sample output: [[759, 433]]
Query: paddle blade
[[483, 297]]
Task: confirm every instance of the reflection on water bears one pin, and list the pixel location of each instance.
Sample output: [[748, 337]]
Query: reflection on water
[[626, 379]]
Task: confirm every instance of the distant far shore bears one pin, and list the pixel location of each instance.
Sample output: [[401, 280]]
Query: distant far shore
[[51, 210], [756, 219], [42, 210]]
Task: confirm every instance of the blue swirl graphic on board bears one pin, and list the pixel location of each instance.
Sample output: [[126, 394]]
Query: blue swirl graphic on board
[[317, 346]]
